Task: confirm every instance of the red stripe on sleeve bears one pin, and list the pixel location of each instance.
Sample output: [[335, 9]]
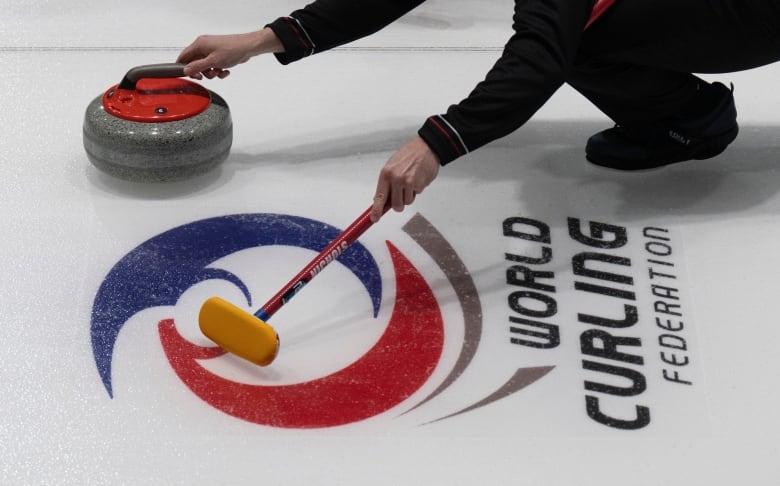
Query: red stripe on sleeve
[[458, 149]]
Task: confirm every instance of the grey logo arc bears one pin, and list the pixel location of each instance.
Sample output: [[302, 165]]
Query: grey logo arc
[[442, 253]]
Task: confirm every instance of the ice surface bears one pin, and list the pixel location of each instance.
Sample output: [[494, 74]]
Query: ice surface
[[313, 150]]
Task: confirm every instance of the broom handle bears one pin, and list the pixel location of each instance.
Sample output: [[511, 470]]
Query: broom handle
[[323, 259]]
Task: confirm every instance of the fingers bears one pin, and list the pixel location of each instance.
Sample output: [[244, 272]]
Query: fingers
[[195, 68], [389, 194], [188, 53], [212, 73], [201, 68], [401, 197], [210, 56], [405, 174], [409, 196], [380, 200], [397, 198]]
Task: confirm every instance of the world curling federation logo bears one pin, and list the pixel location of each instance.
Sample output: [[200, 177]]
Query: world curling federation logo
[[159, 271]]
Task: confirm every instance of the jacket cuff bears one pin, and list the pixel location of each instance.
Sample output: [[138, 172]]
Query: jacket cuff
[[296, 41], [443, 139]]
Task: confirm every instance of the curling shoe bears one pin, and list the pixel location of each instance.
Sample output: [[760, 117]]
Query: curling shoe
[[703, 129]]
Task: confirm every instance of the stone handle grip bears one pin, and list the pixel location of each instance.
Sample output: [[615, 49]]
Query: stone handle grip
[[166, 70]]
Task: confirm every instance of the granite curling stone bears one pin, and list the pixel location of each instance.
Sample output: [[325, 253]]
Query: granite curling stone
[[155, 127]]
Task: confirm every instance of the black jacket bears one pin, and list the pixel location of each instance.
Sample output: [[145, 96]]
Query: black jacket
[[534, 63]]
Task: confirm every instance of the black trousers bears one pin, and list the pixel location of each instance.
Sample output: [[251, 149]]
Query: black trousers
[[635, 62]]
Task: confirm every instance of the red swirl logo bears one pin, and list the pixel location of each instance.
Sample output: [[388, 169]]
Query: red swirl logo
[[391, 371]]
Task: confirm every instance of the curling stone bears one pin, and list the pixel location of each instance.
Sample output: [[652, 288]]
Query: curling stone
[[155, 127]]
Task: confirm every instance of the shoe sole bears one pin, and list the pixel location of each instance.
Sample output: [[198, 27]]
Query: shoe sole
[[705, 150]]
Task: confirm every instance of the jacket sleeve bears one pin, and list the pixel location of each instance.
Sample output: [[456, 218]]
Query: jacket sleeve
[[534, 64], [325, 24]]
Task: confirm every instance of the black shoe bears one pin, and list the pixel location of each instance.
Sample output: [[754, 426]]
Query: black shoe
[[706, 128]]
